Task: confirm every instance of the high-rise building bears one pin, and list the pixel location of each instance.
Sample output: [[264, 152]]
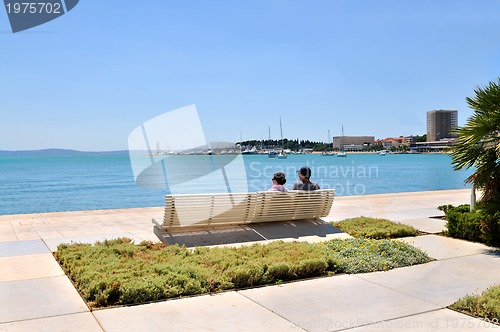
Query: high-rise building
[[440, 123]]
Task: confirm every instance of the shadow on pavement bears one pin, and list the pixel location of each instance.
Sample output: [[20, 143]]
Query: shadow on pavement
[[250, 233]]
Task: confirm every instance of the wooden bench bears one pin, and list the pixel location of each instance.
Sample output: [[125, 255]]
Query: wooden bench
[[188, 212]]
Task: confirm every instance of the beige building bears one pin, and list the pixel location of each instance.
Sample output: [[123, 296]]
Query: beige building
[[352, 143], [440, 123]]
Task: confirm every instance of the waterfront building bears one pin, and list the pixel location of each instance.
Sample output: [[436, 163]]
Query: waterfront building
[[393, 142], [410, 140], [440, 123], [433, 146], [353, 143]]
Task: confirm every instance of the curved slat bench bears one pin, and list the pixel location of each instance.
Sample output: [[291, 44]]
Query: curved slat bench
[[187, 212]]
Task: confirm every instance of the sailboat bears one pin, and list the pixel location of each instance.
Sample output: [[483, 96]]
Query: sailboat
[[282, 154], [329, 153], [271, 153], [341, 152]]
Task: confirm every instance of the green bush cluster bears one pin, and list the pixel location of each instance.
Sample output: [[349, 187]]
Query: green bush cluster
[[117, 272], [368, 255], [480, 225], [485, 305], [374, 228]]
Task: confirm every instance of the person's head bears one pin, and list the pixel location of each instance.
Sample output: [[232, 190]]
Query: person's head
[[279, 178], [304, 173]]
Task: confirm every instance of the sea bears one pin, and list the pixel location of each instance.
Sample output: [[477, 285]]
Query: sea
[[93, 181]]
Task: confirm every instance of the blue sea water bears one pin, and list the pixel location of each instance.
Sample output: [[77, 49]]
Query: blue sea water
[[31, 184]]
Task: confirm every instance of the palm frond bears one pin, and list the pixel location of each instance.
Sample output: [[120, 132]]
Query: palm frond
[[478, 142]]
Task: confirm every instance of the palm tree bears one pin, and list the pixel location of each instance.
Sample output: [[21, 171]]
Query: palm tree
[[478, 142]]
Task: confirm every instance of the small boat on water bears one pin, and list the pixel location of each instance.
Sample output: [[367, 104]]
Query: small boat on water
[[281, 154], [250, 151], [341, 153]]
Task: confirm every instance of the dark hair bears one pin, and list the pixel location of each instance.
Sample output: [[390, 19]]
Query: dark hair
[[279, 177], [305, 171]]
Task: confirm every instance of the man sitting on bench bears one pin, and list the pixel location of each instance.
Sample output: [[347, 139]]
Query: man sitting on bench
[[305, 184]]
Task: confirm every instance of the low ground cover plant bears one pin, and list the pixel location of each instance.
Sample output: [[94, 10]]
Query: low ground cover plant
[[374, 228], [119, 272], [486, 305]]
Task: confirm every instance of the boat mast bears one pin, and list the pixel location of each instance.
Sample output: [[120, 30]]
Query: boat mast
[[342, 140], [281, 129], [330, 139], [269, 139]]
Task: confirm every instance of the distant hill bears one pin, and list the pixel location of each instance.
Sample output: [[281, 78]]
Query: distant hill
[[56, 152]]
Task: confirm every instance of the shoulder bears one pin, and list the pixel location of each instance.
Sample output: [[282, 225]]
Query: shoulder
[[315, 186], [283, 188]]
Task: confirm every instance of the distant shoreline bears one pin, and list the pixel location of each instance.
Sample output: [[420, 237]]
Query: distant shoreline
[[70, 153], [55, 152]]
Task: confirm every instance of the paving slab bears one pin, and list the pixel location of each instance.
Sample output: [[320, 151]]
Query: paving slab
[[441, 282], [25, 232], [336, 303], [19, 248], [442, 247], [438, 320], [397, 206], [221, 312], [82, 322], [426, 225], [6, 231], [29, 267], [38, 298], [145, 234]]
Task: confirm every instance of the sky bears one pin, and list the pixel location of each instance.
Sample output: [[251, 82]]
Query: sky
[[87, 79]]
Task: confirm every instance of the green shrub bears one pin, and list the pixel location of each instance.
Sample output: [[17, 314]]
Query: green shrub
[[490, 227], [460, 208], [245, 276], [463, 225], [309, 268], [480, 225], [374, 228]]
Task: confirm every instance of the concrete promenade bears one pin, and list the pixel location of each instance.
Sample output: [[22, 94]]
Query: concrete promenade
[[35, 294]]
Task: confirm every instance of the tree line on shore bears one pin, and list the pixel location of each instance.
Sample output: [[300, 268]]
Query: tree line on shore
[[298, 144]]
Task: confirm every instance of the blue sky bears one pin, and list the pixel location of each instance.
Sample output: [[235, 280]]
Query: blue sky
[[85, 80]]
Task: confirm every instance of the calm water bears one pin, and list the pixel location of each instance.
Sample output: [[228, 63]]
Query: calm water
[[106, 181]]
